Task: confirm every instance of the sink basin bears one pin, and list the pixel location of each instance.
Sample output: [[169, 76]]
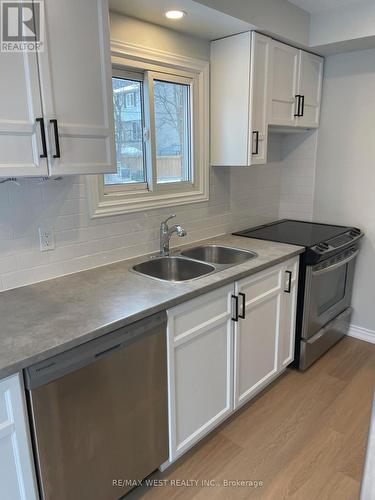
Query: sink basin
[[218, 254], [173, 268]]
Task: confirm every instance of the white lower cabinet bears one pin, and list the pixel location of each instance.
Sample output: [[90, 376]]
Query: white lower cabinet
[[17, 476], [288, 330], [216, 361], [256, 334], [200, 367]]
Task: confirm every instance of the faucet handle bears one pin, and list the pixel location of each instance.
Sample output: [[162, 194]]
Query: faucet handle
[[172, 216]]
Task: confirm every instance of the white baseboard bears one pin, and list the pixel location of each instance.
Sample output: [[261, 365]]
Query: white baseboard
[[362, 333]]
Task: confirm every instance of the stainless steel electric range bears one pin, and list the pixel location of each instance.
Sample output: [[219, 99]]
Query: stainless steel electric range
[[325, 281]]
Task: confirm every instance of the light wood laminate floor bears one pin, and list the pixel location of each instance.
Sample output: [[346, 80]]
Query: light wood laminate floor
[[304, 437]]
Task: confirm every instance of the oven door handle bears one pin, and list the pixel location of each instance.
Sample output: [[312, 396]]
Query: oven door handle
[[335, 266]]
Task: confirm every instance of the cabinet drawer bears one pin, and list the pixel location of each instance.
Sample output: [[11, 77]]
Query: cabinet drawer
[[202, 311], [261, 284]]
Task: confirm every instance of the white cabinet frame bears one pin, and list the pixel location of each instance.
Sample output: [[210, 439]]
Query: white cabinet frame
[[17, 479]]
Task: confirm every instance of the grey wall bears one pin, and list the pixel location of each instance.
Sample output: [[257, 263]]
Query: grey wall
[[345, 171]]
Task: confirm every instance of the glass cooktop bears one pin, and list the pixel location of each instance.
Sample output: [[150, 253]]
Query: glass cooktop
[[305, 234]]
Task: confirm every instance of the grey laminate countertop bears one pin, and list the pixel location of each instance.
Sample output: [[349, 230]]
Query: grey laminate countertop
[[44, 319]]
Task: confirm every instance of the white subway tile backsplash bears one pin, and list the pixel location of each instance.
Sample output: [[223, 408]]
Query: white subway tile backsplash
[[239, 198]]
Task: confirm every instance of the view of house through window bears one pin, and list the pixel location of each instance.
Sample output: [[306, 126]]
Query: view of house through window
[[129, 122], [172, 119], [172, 132]]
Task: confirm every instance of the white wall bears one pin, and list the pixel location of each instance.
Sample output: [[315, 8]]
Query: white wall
[[276, 17], [345, 177], [238, 199]]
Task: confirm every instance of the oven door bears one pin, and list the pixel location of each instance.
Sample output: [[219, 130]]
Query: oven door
[[328, 291]]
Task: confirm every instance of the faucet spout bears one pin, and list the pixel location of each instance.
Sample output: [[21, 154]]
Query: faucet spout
[[166, 233]]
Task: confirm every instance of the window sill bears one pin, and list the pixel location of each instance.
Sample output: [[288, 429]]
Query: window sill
[[106, 208]]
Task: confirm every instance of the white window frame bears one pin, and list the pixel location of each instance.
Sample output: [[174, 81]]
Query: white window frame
[[155, 64]]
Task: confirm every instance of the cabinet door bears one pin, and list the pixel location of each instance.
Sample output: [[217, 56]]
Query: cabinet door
[[199, 367], [20, 106], [17, 476], [257, 333], [310, 87], [287, 333], [75, 72], [284, 82], [259, 96], [230, 71]]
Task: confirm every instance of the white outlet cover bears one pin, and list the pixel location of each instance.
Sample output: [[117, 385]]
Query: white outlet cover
[[46, 239]]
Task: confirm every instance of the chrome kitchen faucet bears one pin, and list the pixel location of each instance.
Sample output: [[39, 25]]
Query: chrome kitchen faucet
[[166, 233]]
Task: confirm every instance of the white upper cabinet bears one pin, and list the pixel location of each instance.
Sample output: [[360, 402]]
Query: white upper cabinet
[[76, 85], [257, 82], [310, 89], [296, 86], [21, 117], [259, 95], [239, 97], [56, 115], [284, 84]]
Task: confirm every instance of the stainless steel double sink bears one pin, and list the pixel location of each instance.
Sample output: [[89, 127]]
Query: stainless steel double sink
[[193, 263]]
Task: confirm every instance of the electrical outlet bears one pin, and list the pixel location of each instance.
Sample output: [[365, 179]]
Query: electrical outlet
[[46, 239]]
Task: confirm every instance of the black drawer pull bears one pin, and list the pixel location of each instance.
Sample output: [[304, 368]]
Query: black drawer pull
[[256, 133], [235, 311], [57, 143], [243, 313], [43, 136], [289, 273]]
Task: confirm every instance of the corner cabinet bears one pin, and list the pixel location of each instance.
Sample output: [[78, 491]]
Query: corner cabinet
[[17, 475], [226, 346], [257, 82], [56, 115], [239, 96]]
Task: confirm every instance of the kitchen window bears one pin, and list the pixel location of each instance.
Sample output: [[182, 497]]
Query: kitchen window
[[161, 127]]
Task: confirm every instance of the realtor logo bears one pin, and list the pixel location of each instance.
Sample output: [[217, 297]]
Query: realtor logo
[[22, 26]]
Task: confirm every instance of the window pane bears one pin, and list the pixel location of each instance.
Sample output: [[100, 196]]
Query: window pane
[[127, 103], [172, 127]]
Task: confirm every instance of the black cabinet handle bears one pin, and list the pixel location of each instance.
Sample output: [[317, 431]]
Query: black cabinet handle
[[302, 105], [43, 136], [243, 314], [289, 273], [57, 143], [235, 311], [256, 133], [298, 97]]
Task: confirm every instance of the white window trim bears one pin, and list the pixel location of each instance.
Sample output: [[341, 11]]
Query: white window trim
[[134, 200]]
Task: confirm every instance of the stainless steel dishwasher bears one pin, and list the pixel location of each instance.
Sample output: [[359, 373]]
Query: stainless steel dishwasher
[[99, 413]]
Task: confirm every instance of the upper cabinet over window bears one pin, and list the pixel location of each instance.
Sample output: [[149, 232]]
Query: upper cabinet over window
[[257, 82], [56, 113]]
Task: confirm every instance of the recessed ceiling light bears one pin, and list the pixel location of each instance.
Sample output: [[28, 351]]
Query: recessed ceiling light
[[175, 14]]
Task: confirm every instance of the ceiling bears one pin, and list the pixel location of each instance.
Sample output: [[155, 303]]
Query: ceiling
[[200, 21], [314, 6]]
